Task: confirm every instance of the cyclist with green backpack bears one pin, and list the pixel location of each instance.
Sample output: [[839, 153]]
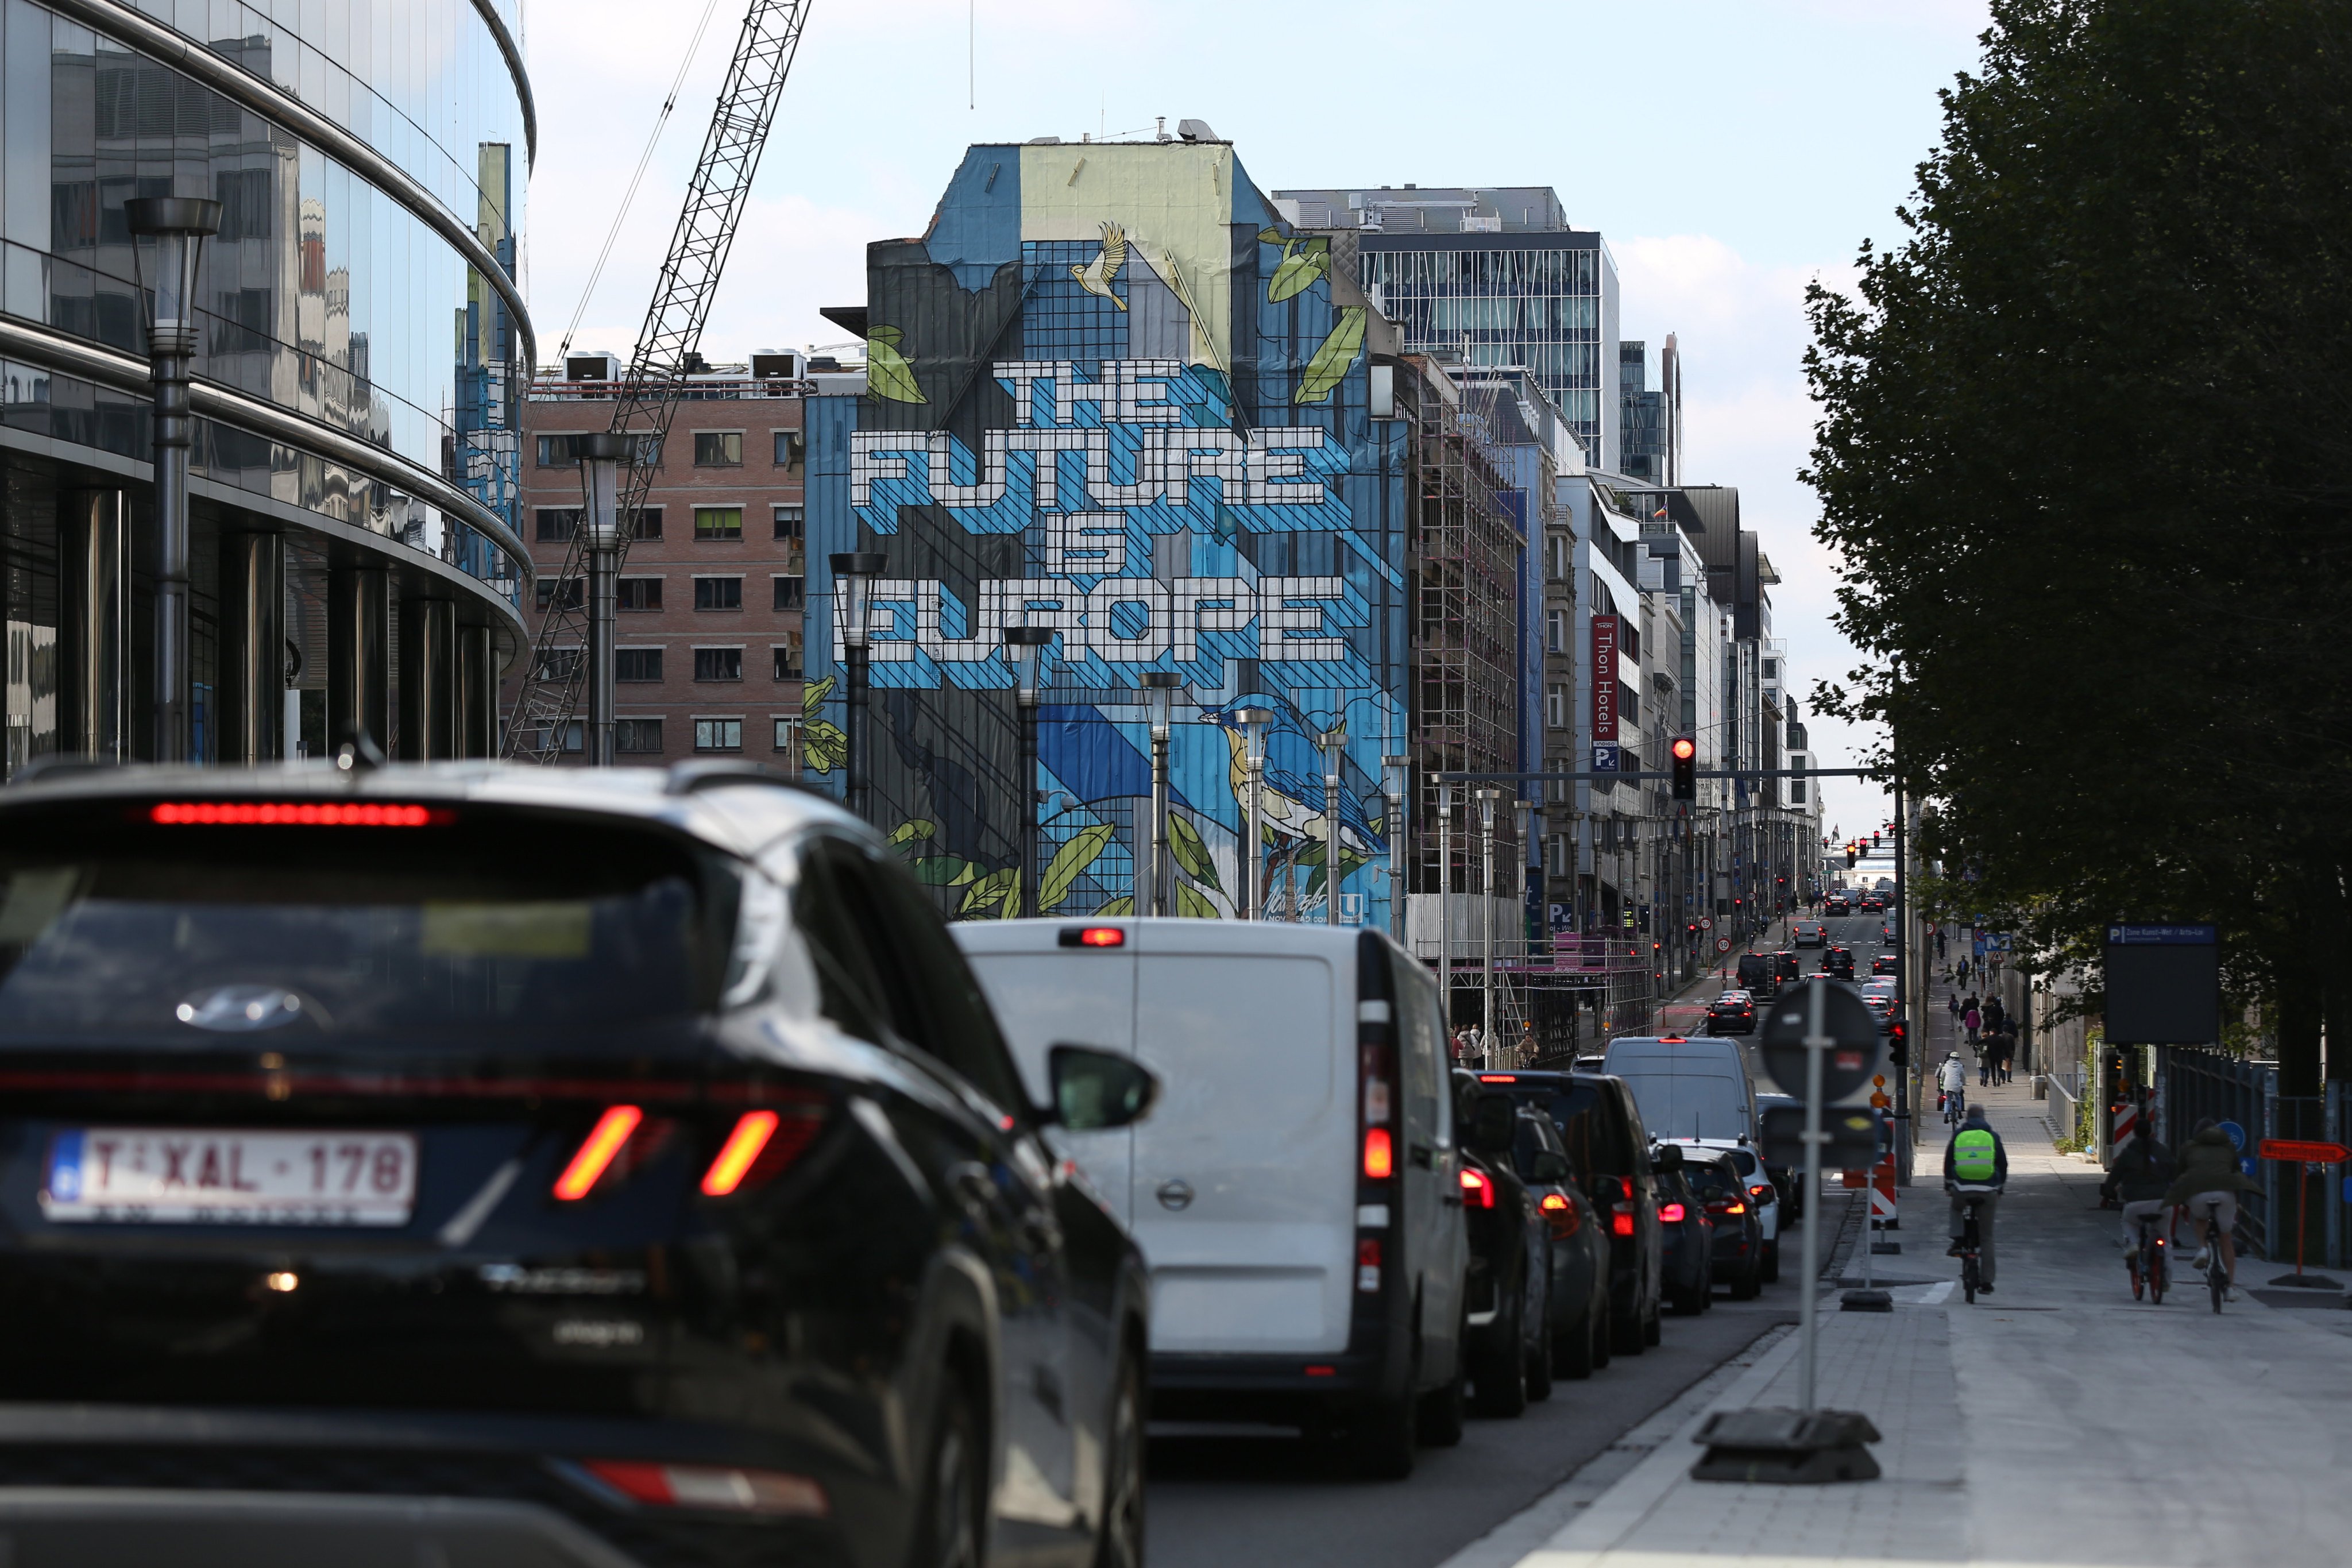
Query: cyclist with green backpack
[[1975, 1169]]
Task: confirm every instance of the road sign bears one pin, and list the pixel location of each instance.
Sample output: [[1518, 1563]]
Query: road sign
[[1723, 945], [1852, 1130], [1706, 922], [2290, 1149], [1852, 1054]]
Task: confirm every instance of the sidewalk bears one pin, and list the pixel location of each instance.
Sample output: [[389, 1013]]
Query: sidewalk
[[2055, 1422]]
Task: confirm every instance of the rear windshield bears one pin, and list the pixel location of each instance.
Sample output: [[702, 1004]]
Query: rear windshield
[[1689, 1105], [1595, 1140], [1711, 1179], [527, 926]]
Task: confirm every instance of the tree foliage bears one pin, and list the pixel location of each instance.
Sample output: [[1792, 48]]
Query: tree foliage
[[2083, 454]]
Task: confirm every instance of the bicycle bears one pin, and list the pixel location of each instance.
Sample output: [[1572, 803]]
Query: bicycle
[[1956, 1105], [2217, 1268], [1971, 1246], [2150, 1272]]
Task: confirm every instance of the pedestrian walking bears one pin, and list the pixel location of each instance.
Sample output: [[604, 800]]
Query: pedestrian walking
[[1972, 1020], [1984, 1062], [2008, 1055], [1939, 947]]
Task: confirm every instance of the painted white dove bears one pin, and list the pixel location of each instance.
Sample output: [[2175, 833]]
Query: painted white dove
[[1096, 275]]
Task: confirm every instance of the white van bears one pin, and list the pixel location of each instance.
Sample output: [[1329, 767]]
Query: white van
[[1296, 1189], [1700, 1087]]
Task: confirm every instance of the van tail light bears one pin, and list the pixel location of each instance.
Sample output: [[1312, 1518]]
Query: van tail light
[[1671, 1213], [1622, 1223], [1379, 1154], [598, 1151], [1477, 1192], [1376, 1072], [1368, 1265], [770, 1492]]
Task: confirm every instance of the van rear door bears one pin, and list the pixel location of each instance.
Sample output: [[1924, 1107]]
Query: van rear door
[[1047, 995], [1245, 1180]]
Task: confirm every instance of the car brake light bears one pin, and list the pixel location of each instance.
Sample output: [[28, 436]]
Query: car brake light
[[751, 1134], [1498, 1077], [297, 814], [1477, 1192], [1553, 1201], [1671, 1213], [597, 1153], [1102, 936], [1621, 1222], [1379, 1155], [1367, 1264], [708, 1486], [1759, 1190], [1726, 1206], [1670, 1039]]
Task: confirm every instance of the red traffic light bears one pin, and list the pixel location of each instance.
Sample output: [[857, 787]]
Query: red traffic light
[[1685, 748]]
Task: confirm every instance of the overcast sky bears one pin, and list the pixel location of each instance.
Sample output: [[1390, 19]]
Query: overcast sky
[[1728, 150]]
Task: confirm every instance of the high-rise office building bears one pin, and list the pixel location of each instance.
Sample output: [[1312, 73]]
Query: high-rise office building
[[1650, 422], [1494, 275]]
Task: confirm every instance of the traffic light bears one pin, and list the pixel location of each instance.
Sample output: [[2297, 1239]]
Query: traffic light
[[1874, 841], [1848, 856], [1685, 751], [1898, 1040]]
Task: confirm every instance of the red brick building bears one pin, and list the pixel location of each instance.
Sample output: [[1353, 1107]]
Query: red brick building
[[709, 625]]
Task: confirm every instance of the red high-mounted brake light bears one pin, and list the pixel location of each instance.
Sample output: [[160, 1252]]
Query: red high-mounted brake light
[[1498, 1077], [298, 813], [602, 1147], [1622, 1223], [1477, 1192], [1672, 1039], [1093, 936], [770, 1492], [1379, 1154], [1671, 1213]]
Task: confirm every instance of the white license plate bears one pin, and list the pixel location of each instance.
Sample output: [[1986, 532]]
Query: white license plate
[[198, 1175]]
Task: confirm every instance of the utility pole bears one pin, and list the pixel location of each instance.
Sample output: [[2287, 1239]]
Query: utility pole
[[1446, 895], [1487, 799], [1335, 741]]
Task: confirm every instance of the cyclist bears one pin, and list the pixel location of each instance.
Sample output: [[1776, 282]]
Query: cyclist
[[2140, 1174], [1975, 1169], [2210, 1182], [1950, 1078]]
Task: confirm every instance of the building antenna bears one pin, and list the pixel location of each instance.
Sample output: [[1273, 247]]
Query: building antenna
[[972, 53]]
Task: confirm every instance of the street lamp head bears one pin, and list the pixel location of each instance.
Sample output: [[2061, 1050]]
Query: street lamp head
[[1254, 722], [854, 571], [1027, 647], [1487, 799], [1159, 689], [178, 225], [601, 457]]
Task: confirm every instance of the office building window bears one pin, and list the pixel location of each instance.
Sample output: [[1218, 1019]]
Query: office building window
[[637, 664], [560, 663], [1556, 632], [636, 735], [791, 522], [788, 735], [645, 523], [638, 593], [788, 658], [718, 664], [575, 590], [718, 734], [719, 593], [1556, 706], [718, 523], [556, 452], [789, 448], [788, 592], [718, 448], [558, 524]]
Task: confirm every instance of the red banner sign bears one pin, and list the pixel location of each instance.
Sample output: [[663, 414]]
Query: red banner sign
[[1606, 630], [2296, 1152]]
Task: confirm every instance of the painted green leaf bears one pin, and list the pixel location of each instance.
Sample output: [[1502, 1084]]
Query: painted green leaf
[[989, 890], [888, 372], [1122, 905], [813, 696], [914, 827], [824, 747], [1184, 843], [942, 870], [1330, 362], [1297, 273], [1194, 905], [1069, 862], [1348, 861]]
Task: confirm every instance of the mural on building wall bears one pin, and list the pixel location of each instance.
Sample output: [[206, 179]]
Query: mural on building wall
[[1109, 394]]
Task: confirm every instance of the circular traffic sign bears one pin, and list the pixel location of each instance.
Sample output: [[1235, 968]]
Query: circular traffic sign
[[1706, 922], [1852, 1055], [1723, 945]]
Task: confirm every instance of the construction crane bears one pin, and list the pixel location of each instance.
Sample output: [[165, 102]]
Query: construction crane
[[657, 369]]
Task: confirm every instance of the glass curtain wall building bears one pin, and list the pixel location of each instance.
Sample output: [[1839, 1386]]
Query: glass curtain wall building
[[1496, 277], [361, 345]]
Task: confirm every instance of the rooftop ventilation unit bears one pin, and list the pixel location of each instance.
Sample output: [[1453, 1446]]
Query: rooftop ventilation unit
[[594, 365]]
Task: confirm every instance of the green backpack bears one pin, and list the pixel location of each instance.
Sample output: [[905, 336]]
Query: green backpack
[[1973, 1155]]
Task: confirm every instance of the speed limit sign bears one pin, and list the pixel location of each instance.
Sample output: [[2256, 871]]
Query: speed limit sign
[[1706, 922], [1723, 945]]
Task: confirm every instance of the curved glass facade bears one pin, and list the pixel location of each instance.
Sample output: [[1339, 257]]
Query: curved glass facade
[[322, 294]]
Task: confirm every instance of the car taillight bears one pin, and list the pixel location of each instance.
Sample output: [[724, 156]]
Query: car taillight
[[1622, 1223], [1477, 1192], [1379, 1154], [770, 1492], [598, 1151], [1726, 1206], [1670, 1213], [1565, 1219], [297, 814], [1367, 1264], [1760, 1190]]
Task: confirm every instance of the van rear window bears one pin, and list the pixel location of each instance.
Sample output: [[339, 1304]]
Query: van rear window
[[1595, 1140]]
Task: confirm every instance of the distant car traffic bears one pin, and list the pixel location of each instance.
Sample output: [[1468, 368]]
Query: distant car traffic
[[1837, 904], [1579, 1317], [1506, 1343], [594, 1166], [1738, 1239], [1883, 963], [1763, 1193], [1839, 961], [1689, 1233], [1872, 903], [1811, 933], [1758, 976], [1886, 934], [1731, 1013]]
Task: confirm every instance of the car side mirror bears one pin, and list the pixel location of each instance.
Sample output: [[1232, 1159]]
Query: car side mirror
[[1493, 1124], [1548, 1167], [1667, 1157], [1094, 1089]]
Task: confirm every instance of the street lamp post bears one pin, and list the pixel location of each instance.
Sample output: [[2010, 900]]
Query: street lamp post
[[601, 457], [1026, 645], [1159, 689], [1253, 721], [1395, 774], [853, 581], [1445, 894], [178, 225], [1487, 799], [1335, 744]]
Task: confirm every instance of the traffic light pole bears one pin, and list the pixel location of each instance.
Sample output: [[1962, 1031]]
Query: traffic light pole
[[1902, 987]]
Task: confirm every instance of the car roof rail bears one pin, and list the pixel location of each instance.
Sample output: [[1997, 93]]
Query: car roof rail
[[692, 778]]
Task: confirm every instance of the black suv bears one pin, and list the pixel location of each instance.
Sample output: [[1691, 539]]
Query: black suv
[[463, 1163]]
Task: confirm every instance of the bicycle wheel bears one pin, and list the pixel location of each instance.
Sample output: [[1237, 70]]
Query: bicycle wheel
[[2155, 1256], [2217, 1278], [1968, 1277]]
